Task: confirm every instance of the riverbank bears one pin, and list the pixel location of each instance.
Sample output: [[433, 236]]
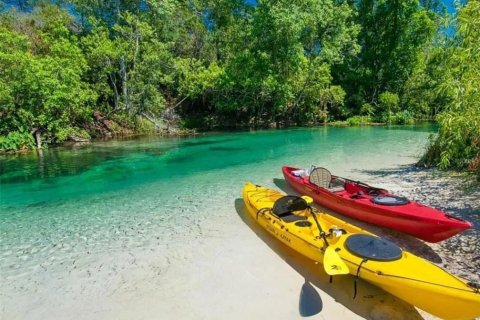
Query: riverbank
[[456, 194]]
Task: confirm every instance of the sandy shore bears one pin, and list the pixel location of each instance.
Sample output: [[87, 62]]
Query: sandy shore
[[232, 269], [455, 194]]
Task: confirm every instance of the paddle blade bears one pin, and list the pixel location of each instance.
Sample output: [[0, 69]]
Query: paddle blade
[[333, 264], [307, 199]]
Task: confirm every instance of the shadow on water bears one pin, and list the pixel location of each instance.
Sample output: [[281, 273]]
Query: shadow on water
[[407, 242], [204, 142], [371, 302], [222, 149]]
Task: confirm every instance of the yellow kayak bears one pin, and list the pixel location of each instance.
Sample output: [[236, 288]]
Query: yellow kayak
[[353, 250]]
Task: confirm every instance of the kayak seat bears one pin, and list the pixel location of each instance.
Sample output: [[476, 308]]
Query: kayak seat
[[320, 177], [284, 207]]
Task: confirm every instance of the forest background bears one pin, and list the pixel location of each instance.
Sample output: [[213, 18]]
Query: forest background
[[81, 69]]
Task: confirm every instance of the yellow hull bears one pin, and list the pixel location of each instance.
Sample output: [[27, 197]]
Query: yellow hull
[[410, 278]]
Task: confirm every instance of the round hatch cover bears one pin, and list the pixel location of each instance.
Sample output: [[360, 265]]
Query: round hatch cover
[[373, 248], [303, 223], [390, 200]]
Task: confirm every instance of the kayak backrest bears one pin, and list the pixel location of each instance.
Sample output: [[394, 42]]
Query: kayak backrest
[[285, 205], [320, 177]]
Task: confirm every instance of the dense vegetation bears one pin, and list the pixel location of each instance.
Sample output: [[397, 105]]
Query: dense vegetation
[[70, 70], [458, 142]]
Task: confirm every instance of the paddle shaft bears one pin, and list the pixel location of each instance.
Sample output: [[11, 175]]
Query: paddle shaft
[[332, 262], [322, 234]]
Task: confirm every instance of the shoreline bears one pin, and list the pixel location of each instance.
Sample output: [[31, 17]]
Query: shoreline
[[176, 132], [457, 195]]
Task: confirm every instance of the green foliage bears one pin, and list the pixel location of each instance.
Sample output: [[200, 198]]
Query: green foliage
[[421, 94], [388, 101], [280, 71], [359, 120], [393, 38], [388, 105], [367, 109], [64, 133], [339, 124], [143, 126], [42, 75], [16, 140], [194, 79], [457, 144], [402, 117]]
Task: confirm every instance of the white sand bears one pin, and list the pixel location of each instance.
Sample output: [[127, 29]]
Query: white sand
[[238, 273]]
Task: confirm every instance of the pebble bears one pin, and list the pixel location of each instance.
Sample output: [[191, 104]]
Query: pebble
[[455, 195]]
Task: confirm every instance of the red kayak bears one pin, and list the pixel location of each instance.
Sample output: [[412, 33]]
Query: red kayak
[[373, 205]]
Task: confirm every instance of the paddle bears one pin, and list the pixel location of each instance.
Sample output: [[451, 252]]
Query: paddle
[[332, 262]]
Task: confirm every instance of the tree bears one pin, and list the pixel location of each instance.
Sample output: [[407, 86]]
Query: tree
[[388, 104], [284, 64], [457, 144], [393, 35], [42, 74]]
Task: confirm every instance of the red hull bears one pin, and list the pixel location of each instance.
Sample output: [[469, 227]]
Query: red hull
[[413, 218]]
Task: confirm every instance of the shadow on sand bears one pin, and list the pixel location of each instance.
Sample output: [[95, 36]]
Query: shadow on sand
[[405, 241], [371, 302]]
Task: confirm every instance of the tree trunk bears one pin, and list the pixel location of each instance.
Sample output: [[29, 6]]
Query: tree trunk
[[37, 137], [325, 114], [123, 76], [152, 120]]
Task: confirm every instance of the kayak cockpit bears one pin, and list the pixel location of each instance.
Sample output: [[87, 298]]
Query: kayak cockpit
[[285, 207]]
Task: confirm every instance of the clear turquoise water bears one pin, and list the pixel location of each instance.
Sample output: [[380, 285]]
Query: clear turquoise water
[[63, 175], [71, 207]]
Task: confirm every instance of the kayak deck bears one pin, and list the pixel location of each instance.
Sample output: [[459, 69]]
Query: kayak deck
[[378, 206]]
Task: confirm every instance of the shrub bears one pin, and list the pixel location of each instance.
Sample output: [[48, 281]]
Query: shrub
[[66, 133], [17, 140], [389, 101], [359, 120], [144, 126], [403, 117]]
